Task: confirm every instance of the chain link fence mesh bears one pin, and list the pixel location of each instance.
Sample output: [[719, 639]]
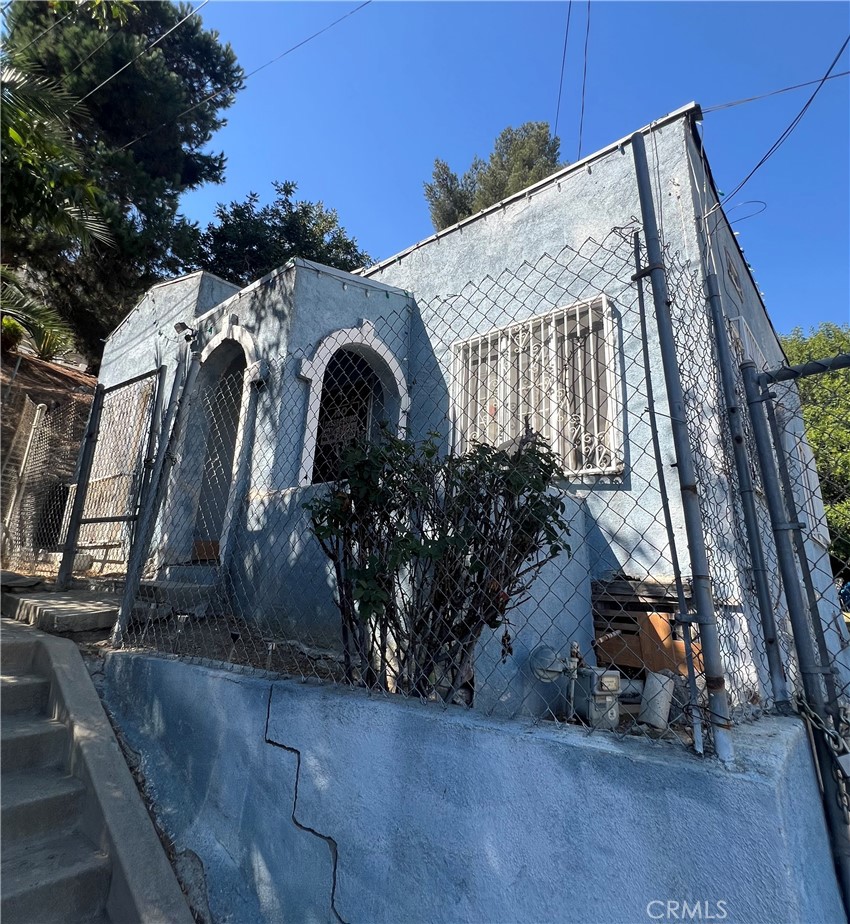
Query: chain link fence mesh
[[497, 530], [40, 474], [33, 520], [473, 501]]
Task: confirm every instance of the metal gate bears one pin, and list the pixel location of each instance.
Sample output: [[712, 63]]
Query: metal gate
[[112, 475]]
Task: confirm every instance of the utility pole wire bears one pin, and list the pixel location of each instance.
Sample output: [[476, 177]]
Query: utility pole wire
[[41, 35], [563, 62], [584, 82], [752, 99], [794, 123], [215, 93], [144, 51]]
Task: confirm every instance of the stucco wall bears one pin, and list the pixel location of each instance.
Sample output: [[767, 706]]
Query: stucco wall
[[578, 211], [317, 804], [146, 338]]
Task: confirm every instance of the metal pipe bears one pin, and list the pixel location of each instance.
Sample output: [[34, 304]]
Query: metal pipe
[[803, 562], [12, 379], [778, 682], [814, 367], [701, 582], [83, 473], [174, 416], [810, 672], [132, 381], [696, 721]]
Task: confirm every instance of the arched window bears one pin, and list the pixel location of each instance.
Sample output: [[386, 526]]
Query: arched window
[[356, 384]]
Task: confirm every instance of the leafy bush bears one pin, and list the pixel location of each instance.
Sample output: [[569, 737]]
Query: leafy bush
[[12, 334], [431, 549]]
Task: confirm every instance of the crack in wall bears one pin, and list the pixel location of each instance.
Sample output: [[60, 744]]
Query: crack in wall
[[332, 845]]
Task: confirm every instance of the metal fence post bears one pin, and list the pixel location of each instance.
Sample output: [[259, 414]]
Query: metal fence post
[[174, 416], [696, 721], [69, 551], [703, 602], [796, 530], [810, 671], [745, 489]]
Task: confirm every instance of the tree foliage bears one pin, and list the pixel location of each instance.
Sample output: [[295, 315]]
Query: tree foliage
[[520, 157], [141, 134], [826, 412], [429, 550], [247, 240]]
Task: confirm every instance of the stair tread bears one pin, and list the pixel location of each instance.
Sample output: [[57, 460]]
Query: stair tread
[[35, 863], [24, 726], [27, 786], [13, 678]]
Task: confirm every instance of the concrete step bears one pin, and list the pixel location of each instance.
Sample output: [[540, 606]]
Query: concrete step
[[15, 654], [32, 741], [68, 611], [159, 599], [190, 574], [23, 693], [36, 803], [64, 878]]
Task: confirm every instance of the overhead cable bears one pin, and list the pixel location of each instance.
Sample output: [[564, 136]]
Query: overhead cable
[[792, 125], [563, 62], [752, 99], [41, 35], [232, 88], [144, 51], [584, 82]]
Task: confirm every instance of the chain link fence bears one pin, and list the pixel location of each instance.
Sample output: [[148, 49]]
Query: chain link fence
[[492, 519], [41, 466], [40, 481]]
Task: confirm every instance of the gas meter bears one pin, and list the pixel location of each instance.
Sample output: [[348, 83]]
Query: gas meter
[[596, 697]]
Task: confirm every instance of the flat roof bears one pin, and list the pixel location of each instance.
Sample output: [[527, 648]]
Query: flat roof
[[691, 108]]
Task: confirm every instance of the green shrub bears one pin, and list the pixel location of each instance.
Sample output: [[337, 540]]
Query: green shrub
[[11, 335], [430, 550]]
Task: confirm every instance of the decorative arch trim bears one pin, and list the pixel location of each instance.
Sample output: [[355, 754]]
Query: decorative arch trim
[[232, 331], [364, 341]]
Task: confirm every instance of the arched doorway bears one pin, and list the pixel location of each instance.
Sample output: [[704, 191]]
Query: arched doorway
[[220, 388], [350, 410]]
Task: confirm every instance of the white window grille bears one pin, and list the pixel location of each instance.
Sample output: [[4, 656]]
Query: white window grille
[[557, 370]]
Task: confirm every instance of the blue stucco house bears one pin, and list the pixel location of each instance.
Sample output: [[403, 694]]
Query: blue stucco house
[[527, 310]]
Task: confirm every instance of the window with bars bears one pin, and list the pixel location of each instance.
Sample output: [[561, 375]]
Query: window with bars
[[558, 371]]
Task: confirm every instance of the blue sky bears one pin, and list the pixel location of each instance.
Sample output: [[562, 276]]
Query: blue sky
[[357, 116]]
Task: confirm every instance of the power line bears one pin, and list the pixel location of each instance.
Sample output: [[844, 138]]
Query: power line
[[752, 99], [232, 88], [794, 123], [563, 62], [144, 51], [92, 53], [41, 35], [584, 82]]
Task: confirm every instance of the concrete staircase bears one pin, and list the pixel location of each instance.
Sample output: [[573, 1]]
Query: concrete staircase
[[51, 871], [77, 842]]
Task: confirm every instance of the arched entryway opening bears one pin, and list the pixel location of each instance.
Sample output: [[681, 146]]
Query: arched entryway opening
[[350, 411], [219, 402]]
